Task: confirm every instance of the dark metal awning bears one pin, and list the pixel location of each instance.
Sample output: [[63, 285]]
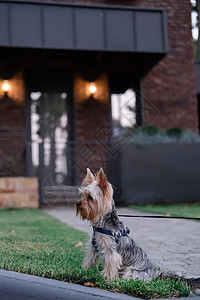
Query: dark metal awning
[[77, 27]]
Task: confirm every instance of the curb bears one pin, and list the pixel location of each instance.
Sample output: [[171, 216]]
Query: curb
[[21, 286]]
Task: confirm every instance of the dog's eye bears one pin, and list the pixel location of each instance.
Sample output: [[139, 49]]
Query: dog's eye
[[90, 197]]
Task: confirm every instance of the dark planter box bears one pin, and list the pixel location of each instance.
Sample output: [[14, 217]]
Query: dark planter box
[[160, 173]]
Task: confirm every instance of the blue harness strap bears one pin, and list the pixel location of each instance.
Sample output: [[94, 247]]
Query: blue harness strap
[[95, 244], [126, 231]]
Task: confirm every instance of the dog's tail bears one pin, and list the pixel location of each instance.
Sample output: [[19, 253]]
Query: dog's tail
[[194, 283]]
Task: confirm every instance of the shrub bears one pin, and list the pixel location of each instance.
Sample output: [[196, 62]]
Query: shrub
[[174, 132], [151, 134], [150, 130]]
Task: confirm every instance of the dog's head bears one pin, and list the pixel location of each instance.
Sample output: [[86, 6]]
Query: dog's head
[[96, 196]]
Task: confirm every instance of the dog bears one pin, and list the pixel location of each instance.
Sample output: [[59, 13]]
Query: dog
[[111, 242], [120, 255]]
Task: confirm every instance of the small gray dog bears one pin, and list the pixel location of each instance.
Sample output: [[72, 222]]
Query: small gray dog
[[111, 243]]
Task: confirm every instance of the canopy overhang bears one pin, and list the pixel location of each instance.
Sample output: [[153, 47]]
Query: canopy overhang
[[82, 27]]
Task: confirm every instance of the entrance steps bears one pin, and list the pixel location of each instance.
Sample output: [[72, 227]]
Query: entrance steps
[[55, 195]]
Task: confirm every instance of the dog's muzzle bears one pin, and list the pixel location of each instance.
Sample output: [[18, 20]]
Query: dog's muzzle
[[78, 204]]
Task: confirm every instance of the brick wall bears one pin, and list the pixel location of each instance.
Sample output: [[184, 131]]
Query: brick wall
[[11, 137], [19, 192], [12, 127], [91, 114], [170, 86]]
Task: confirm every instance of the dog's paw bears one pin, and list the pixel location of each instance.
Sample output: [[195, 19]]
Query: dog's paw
[[108, 275], [89, 263], [85, 265]]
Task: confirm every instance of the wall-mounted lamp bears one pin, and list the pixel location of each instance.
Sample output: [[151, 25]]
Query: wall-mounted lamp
[[92, 90], [5, 87]]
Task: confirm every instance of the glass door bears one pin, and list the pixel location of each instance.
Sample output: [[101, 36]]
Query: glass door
[[50, 118]]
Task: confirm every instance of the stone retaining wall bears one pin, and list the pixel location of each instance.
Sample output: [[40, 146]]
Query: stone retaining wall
[[19, 192]]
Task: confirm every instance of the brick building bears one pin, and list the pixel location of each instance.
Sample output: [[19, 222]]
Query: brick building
[[52, 52]]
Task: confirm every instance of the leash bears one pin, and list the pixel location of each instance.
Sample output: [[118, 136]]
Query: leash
[[158, 217]]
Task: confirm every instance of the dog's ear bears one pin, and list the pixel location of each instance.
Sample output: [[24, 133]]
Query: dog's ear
[[89, 178], [102, 180]]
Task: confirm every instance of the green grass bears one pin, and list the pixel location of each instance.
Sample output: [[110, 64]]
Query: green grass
[[34, 243], [177, 210]]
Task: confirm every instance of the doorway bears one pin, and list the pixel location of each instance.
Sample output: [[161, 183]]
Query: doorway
[[51, 131]]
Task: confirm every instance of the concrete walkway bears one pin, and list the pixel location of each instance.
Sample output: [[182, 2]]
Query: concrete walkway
[[171, 244]]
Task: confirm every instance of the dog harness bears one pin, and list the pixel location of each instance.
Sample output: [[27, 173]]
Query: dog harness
[[117, 236]]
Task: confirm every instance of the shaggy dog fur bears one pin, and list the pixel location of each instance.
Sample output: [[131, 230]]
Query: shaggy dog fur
[[120, 255]]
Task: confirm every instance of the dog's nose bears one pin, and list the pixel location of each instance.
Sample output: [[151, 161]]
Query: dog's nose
[[78, 204]]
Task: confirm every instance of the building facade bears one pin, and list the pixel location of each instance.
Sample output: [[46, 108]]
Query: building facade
[[74, 67]]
